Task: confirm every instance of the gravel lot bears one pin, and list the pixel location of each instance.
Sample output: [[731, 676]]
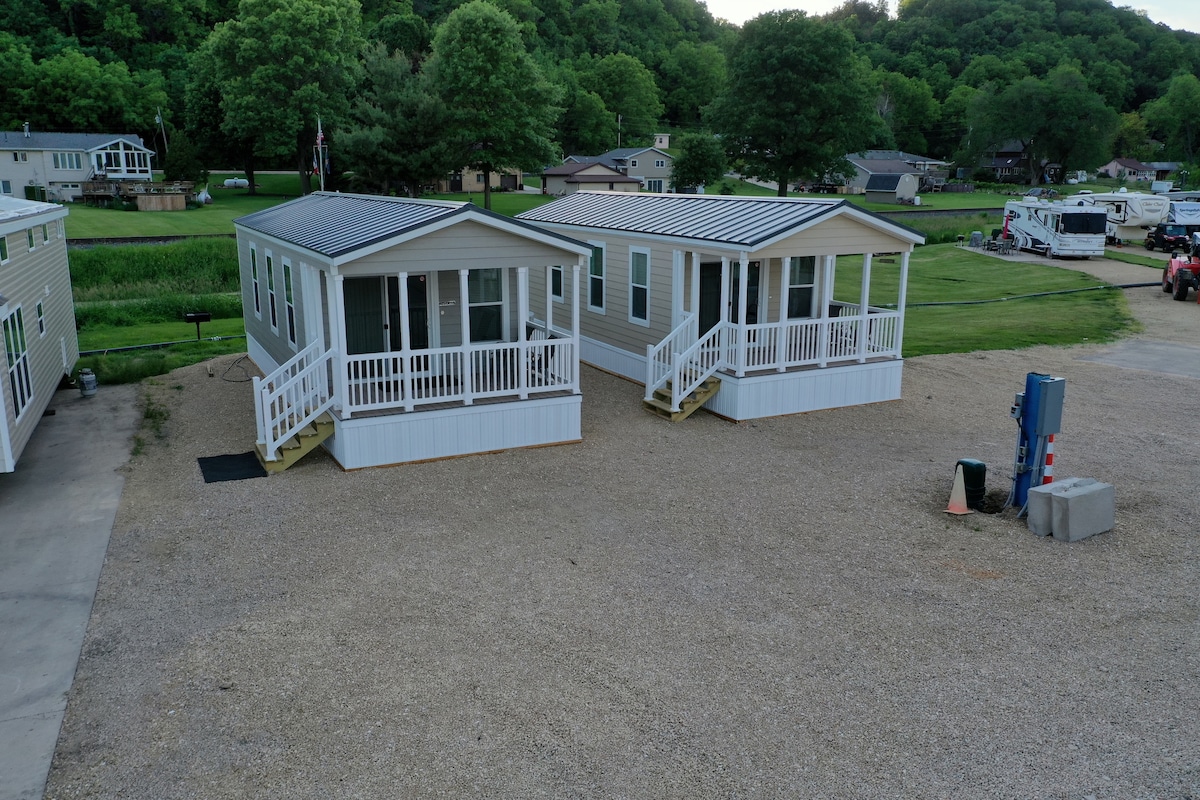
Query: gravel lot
[[769, 609]]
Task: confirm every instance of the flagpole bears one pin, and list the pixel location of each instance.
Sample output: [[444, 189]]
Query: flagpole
[[319, 154]]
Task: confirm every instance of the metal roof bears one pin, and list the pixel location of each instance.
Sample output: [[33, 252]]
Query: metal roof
[[335, 224], [49, 140], [883, 183], [741, 221]]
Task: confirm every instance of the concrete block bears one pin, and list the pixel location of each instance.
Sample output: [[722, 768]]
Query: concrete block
[[1039, 510], [1083, 511]]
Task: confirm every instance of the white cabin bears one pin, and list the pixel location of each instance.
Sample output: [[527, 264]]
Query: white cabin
[[409, 327], [1056, 229], [682, 289]]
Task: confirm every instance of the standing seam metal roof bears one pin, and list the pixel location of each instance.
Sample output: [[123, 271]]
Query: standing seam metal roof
[[744, 221]]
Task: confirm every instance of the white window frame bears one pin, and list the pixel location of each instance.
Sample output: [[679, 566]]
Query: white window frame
[[633, 162], [793, 264], [4, 248], [12, 330], [501, 303], [254, 282], [45, 233], [273, 310], [5, 187], [289, 297], [654, 185], [556, 273], [29, 239], [41, 318], [635, 287], [20, 156], [660, 163], [67, 161], [602, 278]]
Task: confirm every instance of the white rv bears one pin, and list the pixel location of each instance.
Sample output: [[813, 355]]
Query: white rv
[[1130, 214], [1184, 213], [1056, 229]]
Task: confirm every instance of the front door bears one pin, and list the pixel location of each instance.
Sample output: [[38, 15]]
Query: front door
[[710, 294], [365, 325]]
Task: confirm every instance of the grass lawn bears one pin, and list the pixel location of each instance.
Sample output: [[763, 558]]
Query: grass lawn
[[945, 273], [1135, 258], [101, 337], [507, 203]]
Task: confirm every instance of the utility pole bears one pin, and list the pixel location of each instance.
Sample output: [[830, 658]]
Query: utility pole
[[618, 131]]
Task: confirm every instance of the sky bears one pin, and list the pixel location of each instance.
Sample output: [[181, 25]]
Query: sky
[[1178, 14]]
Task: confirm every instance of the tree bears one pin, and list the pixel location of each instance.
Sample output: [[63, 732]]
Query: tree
[[503, 109], [907, 108], [398, 129], [1133, 138], [1174, 117], [182, 161], [628, 90], [700, 162], [280, 65], [691, 77], [798, 99]]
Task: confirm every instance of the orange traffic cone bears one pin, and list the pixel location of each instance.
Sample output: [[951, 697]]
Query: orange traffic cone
[[958, 495]]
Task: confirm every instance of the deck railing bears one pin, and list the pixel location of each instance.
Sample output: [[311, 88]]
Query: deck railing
[[780, 346], [378, 381], [292, 397]]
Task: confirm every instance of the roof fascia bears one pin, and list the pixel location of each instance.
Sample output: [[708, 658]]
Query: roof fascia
[[266, 238], [24, 221]]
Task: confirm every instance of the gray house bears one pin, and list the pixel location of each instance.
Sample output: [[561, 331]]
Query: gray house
[[42, 165], [650, 165], [37, 318], [393, 330]]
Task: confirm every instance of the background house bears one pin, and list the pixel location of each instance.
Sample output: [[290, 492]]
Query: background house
[[54, 166], [37, 318], [650, 165], [891, 188], [470, 180], [1130, 169], [930, 173], [572, 177]]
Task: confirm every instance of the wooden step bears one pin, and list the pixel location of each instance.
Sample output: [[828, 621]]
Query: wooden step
[[303, 442], [660, 403]]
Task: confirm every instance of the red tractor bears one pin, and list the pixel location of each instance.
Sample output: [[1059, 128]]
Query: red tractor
[[1183, 272]]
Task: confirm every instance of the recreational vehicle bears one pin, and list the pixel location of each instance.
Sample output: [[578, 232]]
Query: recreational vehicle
[[1056, 229], [1130, 214]]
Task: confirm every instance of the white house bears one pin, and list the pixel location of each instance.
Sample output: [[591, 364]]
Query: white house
[[753, 306], [393, 330], [41, 165], [37, 318]]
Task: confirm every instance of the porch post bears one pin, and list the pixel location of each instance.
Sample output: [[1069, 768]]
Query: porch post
[[341, 383], [676, 288], [898, 344], [743, 331], [695, 301], [825, 330], [864, 296], [522, 335], [550, 299], [406, 381], [781, 341], [575, 343], [723, 340], [468, 368]]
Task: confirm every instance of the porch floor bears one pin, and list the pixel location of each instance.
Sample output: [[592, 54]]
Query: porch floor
[[479, 401], [756, 372]]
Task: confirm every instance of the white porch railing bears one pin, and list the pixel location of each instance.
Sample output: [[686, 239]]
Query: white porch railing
[[292, 397], [378, 381], [772, 345]]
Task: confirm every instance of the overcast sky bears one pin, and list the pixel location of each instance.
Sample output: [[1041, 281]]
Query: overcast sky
[[1179, 14]]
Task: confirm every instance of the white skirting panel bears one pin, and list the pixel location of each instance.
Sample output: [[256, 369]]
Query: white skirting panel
[[259, 356], [613, 359], [423, 435], [807, 390]]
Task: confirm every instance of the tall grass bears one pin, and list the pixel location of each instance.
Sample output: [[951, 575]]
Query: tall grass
[[163, 308], [946, 229], [127, 272]]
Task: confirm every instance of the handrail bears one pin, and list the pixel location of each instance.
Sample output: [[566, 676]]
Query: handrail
[[283, 407], [709, 347], [658, 368]]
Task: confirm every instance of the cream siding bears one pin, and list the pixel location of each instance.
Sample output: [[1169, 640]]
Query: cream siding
[[26, 279], [275, 342]]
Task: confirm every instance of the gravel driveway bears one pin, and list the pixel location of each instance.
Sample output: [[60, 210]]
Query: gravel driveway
[[769, 609]]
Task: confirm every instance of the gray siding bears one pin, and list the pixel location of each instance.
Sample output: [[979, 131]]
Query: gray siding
[[614, 326], [28, 278], [275, 342]]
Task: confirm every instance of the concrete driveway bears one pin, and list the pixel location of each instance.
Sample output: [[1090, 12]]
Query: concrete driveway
[[56, 513]]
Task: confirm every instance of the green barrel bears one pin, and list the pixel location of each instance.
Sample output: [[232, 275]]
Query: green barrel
[[974, 480]]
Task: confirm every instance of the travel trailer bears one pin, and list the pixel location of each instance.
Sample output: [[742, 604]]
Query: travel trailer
[[1130, 214], [1056, 229]]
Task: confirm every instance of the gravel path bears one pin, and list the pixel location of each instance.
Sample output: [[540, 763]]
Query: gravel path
[[769, 609]]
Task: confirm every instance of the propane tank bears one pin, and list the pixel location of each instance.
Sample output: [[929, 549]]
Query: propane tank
[[87, 383]]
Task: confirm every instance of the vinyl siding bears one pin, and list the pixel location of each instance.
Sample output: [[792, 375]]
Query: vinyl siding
[[840, 235], [466, 245], [614, 326], [29, 278], [275, 342]]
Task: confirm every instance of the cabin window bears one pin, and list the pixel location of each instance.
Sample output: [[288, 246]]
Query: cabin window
[[254, 282], [19, 384], [5, 187], [3, 248], [485, 296], [801, 280], [596, 279], [29, 238], [556, 283], [271, 307], [41, 318], [289, 305], [45, 233], [639, 286]]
